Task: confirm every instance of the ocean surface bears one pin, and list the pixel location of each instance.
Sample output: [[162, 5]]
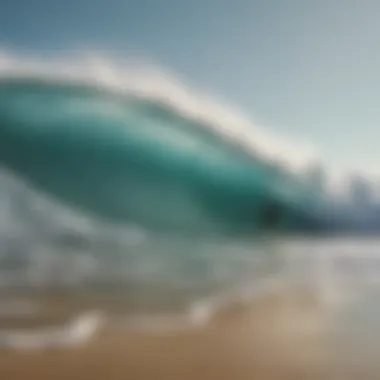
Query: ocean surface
[[134, 197]]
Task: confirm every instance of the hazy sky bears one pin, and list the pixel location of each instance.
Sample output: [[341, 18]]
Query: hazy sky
[[306, 68]]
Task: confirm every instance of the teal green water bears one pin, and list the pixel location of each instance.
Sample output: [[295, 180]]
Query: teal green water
[[124, 158]]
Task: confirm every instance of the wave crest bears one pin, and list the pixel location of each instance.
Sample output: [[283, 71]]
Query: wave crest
[[151, 83]]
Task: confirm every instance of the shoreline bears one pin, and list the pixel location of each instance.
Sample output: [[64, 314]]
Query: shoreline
[[275, 337]]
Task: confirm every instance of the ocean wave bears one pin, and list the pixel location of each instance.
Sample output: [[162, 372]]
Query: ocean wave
[[143, 149], [108, 175]]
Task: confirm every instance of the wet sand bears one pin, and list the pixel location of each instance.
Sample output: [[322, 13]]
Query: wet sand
[[276, 337]]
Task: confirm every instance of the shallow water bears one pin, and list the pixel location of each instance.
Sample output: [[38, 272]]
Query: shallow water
[[295, 304], [56, 264], [160, 275]]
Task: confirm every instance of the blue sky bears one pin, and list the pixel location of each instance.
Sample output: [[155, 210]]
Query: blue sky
[[304, 68]]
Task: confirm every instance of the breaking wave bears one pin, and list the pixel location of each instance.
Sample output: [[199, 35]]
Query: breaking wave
[[109, 173], [136, 146]]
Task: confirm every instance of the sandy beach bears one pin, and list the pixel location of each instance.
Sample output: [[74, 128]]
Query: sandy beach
[[276, 337]]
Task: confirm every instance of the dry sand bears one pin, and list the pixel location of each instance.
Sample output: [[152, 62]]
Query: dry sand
[[277, 337]]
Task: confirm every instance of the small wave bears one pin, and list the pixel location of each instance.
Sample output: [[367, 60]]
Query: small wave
[[76, 332]]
